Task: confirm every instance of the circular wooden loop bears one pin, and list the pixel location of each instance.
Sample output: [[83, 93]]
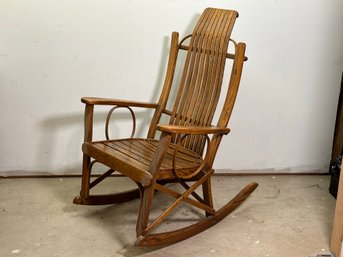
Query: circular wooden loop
[[109, 117], [176, 150], [90, 166], [184, 39], [234, 42]]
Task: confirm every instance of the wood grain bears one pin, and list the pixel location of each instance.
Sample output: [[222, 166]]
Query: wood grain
[[118, 102]]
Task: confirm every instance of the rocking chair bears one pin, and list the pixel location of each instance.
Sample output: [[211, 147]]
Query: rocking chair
[[186, 149]]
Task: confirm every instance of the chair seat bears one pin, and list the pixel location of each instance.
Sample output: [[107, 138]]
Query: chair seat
[[133, 158]]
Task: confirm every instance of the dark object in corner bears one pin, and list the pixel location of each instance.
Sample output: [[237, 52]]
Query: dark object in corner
[[335, 170], [337, 147]]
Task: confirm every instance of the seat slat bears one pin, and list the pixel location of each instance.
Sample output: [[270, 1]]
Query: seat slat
[[138, 155], [139, 150], [147, 153], [121, 147], [118, 161], [183, 154]]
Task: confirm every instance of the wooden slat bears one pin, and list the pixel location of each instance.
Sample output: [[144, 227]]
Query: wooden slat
[[140, 150], [185, 158], [144, 154], [223, 44], [118, 161], [193, 129], [194, 106], [138, 154], [228, 55], [183, 153], [119, 102], [202, 76]]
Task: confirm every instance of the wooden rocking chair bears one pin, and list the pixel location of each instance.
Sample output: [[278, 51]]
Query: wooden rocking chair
[[187, 146]]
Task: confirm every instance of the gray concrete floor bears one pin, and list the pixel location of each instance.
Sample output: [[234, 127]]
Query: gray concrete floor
[[288, 215]]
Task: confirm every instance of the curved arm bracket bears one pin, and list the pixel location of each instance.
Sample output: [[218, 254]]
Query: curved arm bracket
[[176, 150], [109, 117]]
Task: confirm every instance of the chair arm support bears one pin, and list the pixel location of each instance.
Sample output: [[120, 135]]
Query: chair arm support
[[196, 130], [118, 102]]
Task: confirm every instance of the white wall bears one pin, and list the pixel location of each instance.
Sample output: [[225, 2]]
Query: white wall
[[54, 52]]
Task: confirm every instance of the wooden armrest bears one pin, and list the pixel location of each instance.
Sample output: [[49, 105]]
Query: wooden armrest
[[109, 101], [199, 130]]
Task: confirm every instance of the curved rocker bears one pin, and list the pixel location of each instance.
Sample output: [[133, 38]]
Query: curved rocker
[[186, 148], [187, 232]]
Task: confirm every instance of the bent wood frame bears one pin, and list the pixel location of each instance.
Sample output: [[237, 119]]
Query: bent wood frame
[[184, 137]]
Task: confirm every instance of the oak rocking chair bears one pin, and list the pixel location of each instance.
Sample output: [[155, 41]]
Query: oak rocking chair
[[186, 149]]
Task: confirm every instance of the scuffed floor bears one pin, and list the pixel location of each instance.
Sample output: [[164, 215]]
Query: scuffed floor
[[288, 215]]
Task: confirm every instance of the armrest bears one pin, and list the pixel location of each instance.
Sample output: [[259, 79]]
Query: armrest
[[109, 101], [198, 130]]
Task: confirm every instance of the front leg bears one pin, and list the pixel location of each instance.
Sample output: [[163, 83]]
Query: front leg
[[148, 192]]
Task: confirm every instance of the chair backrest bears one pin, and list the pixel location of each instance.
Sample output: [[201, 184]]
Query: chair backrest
[[202, 77]]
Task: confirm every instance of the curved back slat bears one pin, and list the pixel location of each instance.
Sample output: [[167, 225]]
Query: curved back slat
[[201, 81], [202, 76]]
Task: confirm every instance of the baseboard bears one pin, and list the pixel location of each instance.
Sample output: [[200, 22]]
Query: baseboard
[[217, 173], [274, 172]]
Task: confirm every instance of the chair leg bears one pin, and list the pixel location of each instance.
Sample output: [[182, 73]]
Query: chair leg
[[85, 198], [174, 236], [207, 193], [85, 184], [144, 209], [147, 193]]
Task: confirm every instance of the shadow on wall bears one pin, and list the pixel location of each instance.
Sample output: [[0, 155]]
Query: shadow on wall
[[62, 135]]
